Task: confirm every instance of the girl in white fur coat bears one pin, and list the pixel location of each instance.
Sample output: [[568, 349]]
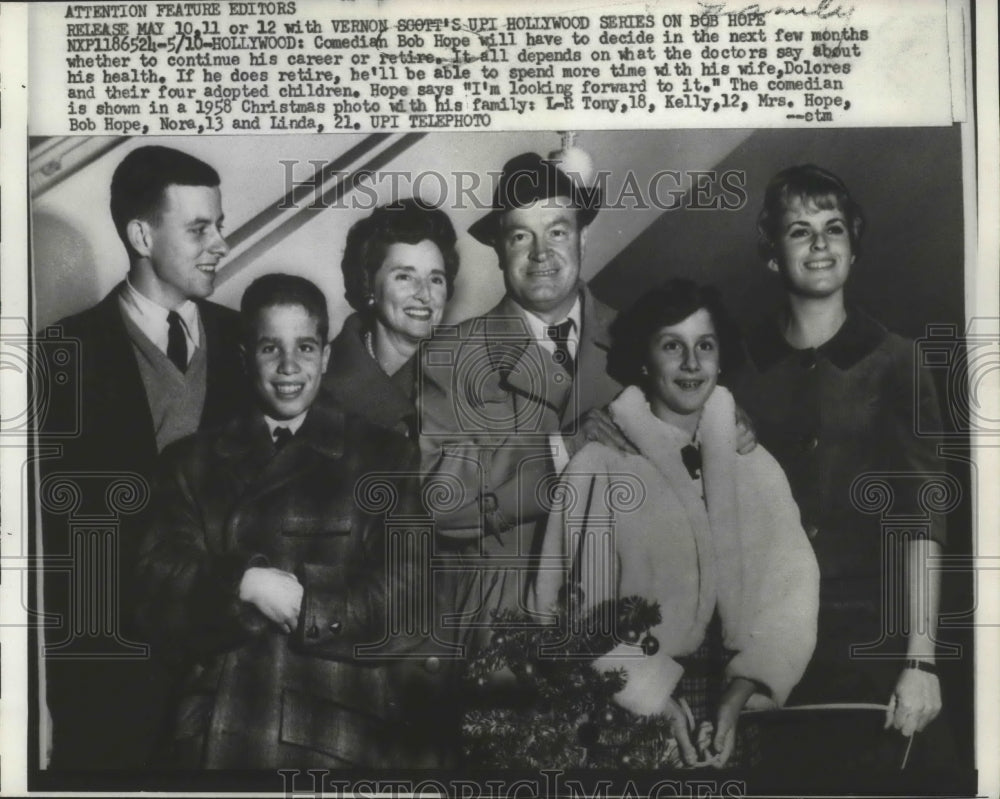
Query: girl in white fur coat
[[720, 536]]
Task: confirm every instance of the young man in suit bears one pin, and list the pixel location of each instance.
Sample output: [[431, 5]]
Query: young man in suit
[[157, 362], [266, 566]]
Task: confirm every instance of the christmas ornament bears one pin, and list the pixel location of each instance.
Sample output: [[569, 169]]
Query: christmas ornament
[[562, 712], [574, 161]]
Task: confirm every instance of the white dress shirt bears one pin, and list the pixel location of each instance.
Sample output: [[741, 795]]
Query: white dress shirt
[[538, 327], [293, 425], [151, 318]]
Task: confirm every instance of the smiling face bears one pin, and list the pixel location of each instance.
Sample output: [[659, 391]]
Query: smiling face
[[410, 290], [682, 368], [540, 249], [180, 246], [813, 251], [287, 361]]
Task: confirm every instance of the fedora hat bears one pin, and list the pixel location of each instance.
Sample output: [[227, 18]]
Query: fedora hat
[[527, 178]]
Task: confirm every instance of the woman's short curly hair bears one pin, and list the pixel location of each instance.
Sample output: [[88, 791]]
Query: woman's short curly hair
[[405, 222], [806, 183], [666, 305]]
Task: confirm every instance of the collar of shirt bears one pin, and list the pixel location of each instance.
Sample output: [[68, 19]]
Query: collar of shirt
[[292, 424], [537, 328], [151, 318]]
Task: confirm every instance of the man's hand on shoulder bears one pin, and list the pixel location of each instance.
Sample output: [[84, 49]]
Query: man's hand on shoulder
[[597, 425], [746, 436]]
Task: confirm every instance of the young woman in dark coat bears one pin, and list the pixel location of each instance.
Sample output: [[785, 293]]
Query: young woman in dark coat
[[835, 397]]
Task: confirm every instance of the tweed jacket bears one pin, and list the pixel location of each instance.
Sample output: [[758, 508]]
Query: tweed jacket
[[340, 691], [490, 400], [637, 524]]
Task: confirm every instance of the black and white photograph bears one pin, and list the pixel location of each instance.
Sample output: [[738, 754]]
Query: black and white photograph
[[414, 403]]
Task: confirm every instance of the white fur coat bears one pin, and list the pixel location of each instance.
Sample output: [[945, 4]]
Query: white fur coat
[[647, 532]]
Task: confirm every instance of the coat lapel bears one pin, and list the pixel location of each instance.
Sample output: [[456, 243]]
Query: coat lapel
[[661, 447], [119, 373], [524, 367], [592, 387], [225, 382], [247, 448], [718, 452], [358, 383]]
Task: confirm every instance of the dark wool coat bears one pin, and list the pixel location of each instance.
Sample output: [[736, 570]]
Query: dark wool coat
[[835, 418], [359, 385], [108, 712], [340, 691]]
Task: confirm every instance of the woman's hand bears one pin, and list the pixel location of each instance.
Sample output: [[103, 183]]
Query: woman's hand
[[915, 702], [681, 726], [735, 697]]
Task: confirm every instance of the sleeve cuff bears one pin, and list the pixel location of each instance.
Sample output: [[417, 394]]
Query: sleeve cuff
[[324, 622], [649, 679]]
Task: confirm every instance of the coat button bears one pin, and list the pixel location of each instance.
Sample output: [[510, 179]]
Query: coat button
[[812, 531], [810, 444], [809, 360], [335, 627], [432, 664]]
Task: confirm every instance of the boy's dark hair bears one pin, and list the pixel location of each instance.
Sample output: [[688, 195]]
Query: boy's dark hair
[[281, 289], [404, 222], [806, 183], [661, 307], [144, 174]]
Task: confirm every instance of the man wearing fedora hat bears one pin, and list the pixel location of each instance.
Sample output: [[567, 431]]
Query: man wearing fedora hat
[[507, 397]]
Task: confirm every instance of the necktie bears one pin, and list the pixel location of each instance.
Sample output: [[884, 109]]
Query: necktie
[[282, 435], [560, 335], [177, 350]]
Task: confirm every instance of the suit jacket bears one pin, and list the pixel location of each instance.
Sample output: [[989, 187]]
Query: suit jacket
[[490, 399], [255, 697], [116, 426], [108, 712]]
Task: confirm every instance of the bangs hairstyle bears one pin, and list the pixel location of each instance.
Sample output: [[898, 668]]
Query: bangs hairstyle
[[281, 289], [673, 302], [809, 185], [405, 222], [143, 175]]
